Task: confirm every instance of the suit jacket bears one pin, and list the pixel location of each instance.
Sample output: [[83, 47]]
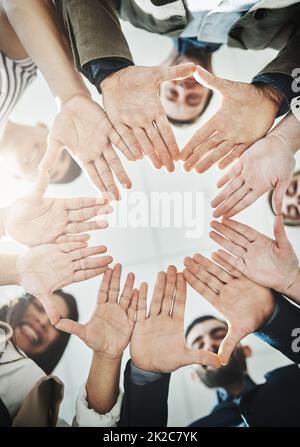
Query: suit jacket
[[95, 32], [274, 403]]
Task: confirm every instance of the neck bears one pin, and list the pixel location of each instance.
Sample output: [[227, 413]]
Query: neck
[[235, 389]]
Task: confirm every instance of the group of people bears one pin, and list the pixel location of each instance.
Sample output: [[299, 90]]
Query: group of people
[[254, 282]]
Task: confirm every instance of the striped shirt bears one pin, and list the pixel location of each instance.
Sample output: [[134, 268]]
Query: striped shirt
[[15, 77]]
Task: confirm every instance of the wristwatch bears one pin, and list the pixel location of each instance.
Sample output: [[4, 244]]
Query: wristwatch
[[295, 107]]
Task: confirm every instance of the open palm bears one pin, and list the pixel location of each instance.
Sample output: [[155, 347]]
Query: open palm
[[35, 220], [225, 136], [83, 128], [109, 330], [158, 342], [272, 263], [46, 268], [266, 165], [245, 304]]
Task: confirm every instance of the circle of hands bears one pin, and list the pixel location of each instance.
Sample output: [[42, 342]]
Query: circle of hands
[[237, 282]]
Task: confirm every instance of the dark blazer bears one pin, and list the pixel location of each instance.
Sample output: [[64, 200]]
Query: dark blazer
[[95, 31], [273, 403]]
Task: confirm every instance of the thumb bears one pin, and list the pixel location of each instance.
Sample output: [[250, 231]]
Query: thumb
[[40, 186], [51, 155], [49, 307], [179, 71], [207, 79], [278, 194], [71, 327], [279, 231], [201, 357], [228, 345]]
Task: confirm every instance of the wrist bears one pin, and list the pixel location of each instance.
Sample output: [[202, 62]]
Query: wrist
[[293, 291], [108, 359], [272, 94], [112, 77], [78, 94], [288, 132], [9, 274]]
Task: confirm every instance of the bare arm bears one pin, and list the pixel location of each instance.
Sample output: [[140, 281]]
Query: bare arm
[[51, 53]]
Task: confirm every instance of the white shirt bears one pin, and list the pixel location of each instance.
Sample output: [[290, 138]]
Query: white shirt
[[212, 20]]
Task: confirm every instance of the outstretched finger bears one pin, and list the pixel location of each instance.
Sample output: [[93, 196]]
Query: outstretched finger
[[228, 345], [230, 189], [126, 295], [180, 297], [114, 286], [39, 187], [71, 327], [51, 311], [142, 303], [104, 287], [51, 155]]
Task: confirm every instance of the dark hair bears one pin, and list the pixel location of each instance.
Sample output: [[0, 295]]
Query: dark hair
[[201, 320], [13, 312], [72, 173]]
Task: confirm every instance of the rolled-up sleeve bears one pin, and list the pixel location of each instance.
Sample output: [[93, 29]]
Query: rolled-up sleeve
[[87, 417]]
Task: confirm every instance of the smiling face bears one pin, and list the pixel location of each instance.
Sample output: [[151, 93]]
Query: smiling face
[[185, 100], [24, 149], [291, 201], [34, 334], [208, 335]]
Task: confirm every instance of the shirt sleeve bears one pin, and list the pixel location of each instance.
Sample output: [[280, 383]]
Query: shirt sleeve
[[278, 330], [141, 377], [87, 417], [97, 70], [281, 82]]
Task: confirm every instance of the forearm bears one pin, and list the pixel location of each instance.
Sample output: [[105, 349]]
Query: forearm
[[50, 52], [8, 270], [293, 291], [103, 383], [288, 130]]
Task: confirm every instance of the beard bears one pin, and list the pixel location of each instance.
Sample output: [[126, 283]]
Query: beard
[[233, 372]]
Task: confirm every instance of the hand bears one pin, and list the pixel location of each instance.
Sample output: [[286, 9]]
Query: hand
[[271, 263], [266, 165], [34, 220], [46, 268], [109, 330], [157, 343], [246, 114], [131, 101], [83, 128], [245, 304]]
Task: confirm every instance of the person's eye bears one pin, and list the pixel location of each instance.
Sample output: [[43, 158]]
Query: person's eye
[[172, 94], [193, 100], [292, 189]]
